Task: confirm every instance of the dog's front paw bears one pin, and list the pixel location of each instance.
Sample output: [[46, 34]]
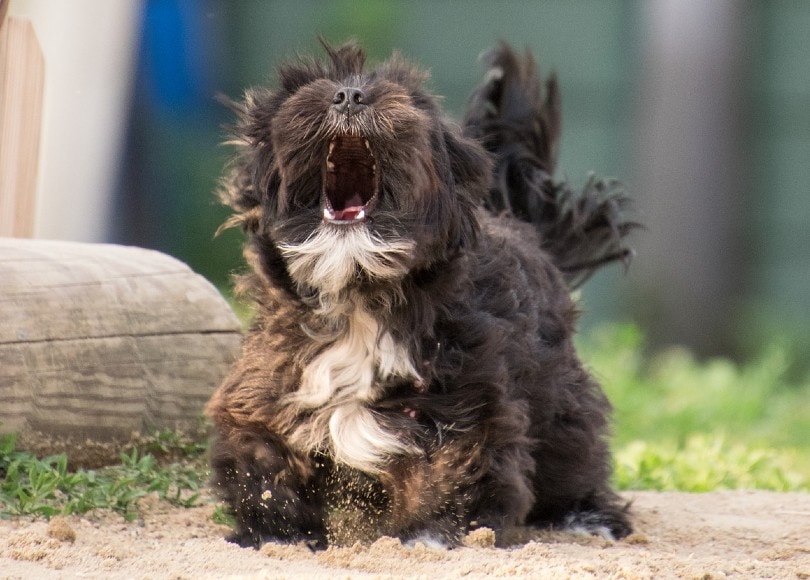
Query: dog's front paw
[[430, 540], [612, 524], [314, 542], [439, 534], [245, 540]]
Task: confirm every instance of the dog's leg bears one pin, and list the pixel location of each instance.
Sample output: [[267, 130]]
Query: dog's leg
[[438, 498], [572, 486], [602, 514], [272, 492], [426, 499], [504, 499]]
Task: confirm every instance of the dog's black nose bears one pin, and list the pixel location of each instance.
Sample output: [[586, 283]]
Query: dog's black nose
[[349, 100]]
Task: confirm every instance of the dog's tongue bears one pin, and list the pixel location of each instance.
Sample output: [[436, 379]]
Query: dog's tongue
[[348, 214], [352, 209]]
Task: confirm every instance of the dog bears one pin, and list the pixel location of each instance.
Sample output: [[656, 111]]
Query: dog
[[410, 370]]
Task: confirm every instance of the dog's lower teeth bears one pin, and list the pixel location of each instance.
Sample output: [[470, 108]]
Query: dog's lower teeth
[[346, 215]]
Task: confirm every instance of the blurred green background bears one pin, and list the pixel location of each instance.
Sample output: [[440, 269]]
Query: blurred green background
[[702, 109]]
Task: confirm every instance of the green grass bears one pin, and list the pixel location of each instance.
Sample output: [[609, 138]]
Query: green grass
[[680, 424], [46, 487], [705, 463], [683, 424]]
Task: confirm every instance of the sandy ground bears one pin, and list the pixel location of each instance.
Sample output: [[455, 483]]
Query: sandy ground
[[717, 535]]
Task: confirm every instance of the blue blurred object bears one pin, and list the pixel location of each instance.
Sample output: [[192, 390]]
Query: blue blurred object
[[174, 58]]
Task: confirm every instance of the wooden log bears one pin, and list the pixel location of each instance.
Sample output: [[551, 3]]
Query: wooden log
[[22, 79], [100, 342]]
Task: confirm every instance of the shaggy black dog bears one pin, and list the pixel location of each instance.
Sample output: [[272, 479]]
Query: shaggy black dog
[[411, 371]]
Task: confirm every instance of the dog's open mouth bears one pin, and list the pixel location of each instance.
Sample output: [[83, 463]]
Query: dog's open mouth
[[351, 182]]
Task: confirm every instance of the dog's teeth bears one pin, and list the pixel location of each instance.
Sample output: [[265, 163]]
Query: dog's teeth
[[360, 215], [328, 214], [330, 165]]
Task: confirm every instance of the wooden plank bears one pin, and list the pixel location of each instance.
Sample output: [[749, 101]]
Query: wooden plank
[[100, 341], [22, 80]]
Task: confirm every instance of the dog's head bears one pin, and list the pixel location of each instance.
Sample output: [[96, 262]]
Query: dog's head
[[350, 176]]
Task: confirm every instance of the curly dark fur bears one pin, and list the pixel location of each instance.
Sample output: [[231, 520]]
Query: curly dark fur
[[410, 370]]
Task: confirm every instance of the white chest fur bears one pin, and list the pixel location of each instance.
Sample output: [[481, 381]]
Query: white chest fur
[[340, 382]]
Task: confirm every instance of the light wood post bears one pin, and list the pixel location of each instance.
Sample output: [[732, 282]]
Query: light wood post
[[22, 73]]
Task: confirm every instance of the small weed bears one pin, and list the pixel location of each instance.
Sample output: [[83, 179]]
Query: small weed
[[222, 517], [174, 445]]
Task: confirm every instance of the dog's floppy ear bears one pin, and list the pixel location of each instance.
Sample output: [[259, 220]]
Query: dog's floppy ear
[[467, 167], [470, 163]]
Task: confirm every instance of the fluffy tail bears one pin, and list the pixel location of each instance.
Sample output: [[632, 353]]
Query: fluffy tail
[[519, 123]]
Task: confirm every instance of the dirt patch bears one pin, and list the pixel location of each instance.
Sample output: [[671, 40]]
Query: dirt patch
[[716, 535]]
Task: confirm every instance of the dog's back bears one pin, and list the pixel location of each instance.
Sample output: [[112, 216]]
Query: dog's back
[[518, 121]]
